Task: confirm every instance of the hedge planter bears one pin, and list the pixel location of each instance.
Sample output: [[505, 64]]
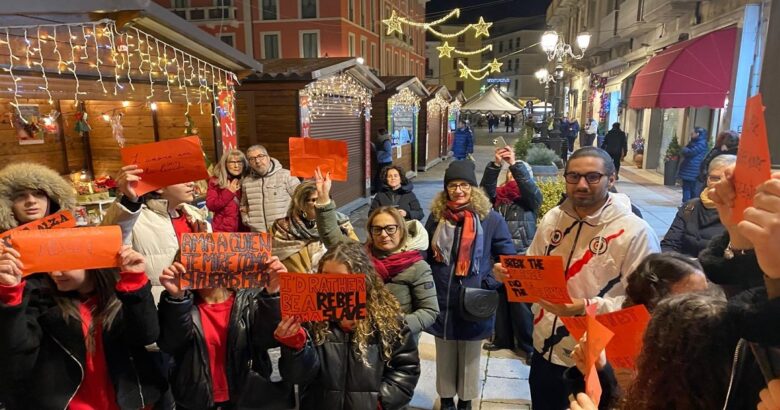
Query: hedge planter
[[670, 172]]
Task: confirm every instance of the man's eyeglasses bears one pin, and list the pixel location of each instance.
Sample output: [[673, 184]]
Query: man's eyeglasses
[[590, 177], [713, 178], [464, 187], [389, 229], [257, 158]]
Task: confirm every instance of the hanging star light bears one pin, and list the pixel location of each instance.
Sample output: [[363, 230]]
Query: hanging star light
[[481, 28], [445, 50], [395, 21], [464, 72], [393, 24], [495, 66]]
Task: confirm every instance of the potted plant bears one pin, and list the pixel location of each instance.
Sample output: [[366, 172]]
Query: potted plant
[[672, 161], [542, 161], [638, 146]]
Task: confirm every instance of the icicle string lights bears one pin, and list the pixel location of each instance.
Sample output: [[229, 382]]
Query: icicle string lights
[[338, 92], [405, 101]]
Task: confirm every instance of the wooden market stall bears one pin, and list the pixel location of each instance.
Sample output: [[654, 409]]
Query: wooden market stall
[[432, 132], [82, 84], [396, 109], [316, 97]]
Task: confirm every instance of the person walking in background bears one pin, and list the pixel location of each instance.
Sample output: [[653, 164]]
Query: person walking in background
[[512, 118], [384, 157], [266, 191], [563, 127], [616, 145], [491, 121], [727, 143], [574, 130], [591, 129], [223, 197], [692, 156], [397, 192], [463, 142], [507, 122]]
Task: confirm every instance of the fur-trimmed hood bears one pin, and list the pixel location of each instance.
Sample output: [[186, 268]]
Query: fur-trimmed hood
[[479, 202], [27, 175]]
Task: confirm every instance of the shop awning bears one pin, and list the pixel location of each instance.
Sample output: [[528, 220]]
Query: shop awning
[[694, 73], [614, 83], [490, 102]]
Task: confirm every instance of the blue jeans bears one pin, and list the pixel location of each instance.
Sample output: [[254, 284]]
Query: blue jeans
[[689, 190]]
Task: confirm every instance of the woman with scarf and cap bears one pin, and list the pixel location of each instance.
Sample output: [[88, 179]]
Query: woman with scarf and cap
[[295, 238], [518, 201], [467, 236], [396, 248]]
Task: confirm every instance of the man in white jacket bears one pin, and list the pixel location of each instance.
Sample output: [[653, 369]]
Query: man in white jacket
[[590, 133], [601, 242]]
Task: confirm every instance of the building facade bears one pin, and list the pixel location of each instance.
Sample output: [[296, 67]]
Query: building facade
[[445, 70], [270, 29]]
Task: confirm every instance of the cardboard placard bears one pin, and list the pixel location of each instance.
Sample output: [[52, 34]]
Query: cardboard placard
[[323, 296], [753, 162], [237, 260], [166, 163], [531, 278], [48, 250], [57, 220], [306, 154]]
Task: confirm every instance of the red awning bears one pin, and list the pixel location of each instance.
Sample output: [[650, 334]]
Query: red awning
[[694, 73]]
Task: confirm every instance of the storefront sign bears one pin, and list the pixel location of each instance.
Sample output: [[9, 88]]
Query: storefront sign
[[498, 80]]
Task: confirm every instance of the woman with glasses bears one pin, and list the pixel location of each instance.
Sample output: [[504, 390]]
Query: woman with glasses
[[295, 238], [467, 237], [397, 251], [697, 220], [223, 197], [397, 192]]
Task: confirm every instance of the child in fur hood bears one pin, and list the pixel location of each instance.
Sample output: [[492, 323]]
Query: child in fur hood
[[30, 191]]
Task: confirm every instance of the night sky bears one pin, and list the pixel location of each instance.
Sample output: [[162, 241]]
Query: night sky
[[492, 10]]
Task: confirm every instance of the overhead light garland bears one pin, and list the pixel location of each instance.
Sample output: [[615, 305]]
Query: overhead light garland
[[395, 24], [491, 67], [446, 50], [338, 92], [405, 101]]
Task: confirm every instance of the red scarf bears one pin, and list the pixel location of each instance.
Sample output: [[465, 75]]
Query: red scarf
[[457, 214], [394, 264], [508, 193]]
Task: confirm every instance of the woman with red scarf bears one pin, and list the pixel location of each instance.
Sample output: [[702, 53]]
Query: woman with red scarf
[[396, 248], [467, 236], [518, 201]]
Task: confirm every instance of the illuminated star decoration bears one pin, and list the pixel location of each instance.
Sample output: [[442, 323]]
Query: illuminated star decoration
[[481, 28], [464, 72], [495, 66], [393, 24], [445, 50]]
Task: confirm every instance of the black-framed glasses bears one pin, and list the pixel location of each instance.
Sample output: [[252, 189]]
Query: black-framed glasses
[[256, 158], [590, 177], [464, 187], [376, 230]]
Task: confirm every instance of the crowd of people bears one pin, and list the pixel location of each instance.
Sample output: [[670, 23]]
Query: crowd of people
[[134, 338]]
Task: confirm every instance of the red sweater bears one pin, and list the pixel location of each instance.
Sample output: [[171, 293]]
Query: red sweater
[[215, 319], [226, 208]]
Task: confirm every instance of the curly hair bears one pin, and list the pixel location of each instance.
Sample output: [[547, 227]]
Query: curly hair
[[383, 312], [653, 279], [385, 170], [480, 203], [686, 355]]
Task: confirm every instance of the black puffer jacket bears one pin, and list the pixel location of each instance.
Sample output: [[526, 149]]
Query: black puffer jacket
[[402, 198], [45, 355], [735, 275], [692, 229], [333, 376], [182, 336], [521, 215]]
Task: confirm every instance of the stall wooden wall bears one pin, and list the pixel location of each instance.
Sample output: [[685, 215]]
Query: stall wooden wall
[[170, 124], [379, 114], [272, 119], [50, 153], [137, 129]]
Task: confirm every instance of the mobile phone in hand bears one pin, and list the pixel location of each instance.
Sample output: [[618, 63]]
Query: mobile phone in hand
[[499, 142]]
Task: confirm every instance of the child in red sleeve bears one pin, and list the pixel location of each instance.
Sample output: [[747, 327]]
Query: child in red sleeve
[[75, 339], [219, 344]]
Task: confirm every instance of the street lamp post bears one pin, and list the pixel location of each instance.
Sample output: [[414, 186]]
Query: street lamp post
[[556, 49], [545, 78]]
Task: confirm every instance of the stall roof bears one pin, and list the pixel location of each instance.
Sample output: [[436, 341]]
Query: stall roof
[[310, 69], [490, 102], [439, 89], [144, 14], [398, 83]]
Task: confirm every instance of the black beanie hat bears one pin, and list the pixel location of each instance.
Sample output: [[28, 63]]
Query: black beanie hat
[[461, 169]]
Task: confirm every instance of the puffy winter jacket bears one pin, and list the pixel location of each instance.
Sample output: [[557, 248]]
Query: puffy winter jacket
[[333, 376], [249, 338], [599, 252], [384, 149], [520, 216], [462, 143], [225, 205], [27, 175], [692, 229], [46, 355], [402, 198], [266, 198], [693, 154], [413, 288]]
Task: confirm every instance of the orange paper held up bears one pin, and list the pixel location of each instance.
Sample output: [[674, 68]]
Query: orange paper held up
[[323, 296], [237, 260], [306, 154], [166, 163], [629, 327], [531, 278], [57, 220], [598, 336], [753, 162], [67, 249]]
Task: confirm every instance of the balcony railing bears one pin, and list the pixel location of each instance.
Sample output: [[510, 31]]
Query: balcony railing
[[659, 11], [207, 13]]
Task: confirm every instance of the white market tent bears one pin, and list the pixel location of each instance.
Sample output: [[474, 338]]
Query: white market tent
[[490, 102]]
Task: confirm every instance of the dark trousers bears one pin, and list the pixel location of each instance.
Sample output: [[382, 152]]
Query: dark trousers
[[616, 159], [689, 190], [570, 139], [586, 140], [548, 389], [514, 325]]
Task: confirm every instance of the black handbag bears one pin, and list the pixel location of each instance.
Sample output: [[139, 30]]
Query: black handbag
[[477, 304], [261, 393]]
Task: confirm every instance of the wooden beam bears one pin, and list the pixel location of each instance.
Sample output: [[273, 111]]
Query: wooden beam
[[121, 17], [244, 74], [61, 136]]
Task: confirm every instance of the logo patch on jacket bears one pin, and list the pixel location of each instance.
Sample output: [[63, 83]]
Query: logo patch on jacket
[[598, 245], [556, 237]]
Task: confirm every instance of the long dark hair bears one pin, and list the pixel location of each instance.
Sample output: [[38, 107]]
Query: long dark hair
[[107, 306], [653, 279]]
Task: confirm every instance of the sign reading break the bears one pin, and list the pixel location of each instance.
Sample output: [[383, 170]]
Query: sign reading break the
[[225, 260], [166, 163], [47, 250], [58, 220], [531, 278], [323, 296]]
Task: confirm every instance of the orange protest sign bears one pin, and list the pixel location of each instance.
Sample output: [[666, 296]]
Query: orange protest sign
[[235, 260], [532, 278], [629, 326], [753, 162], [306, 154], [57, 220], [323, 296], [166, 163], [598, 336], [67, 249], [577, 325]]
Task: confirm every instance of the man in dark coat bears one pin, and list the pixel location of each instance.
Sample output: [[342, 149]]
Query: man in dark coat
[[616, 145]]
